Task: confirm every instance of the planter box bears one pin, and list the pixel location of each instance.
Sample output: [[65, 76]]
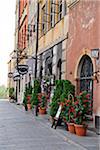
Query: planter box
[[42, 111], [71, 127], [29, 106], [80, 130]]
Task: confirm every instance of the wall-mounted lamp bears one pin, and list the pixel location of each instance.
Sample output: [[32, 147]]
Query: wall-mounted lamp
[[95, 53]]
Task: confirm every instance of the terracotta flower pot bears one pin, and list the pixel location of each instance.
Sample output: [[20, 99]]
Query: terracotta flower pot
[[28, 98], [42, 110], [71, 127], [80, 130], [29, 106]]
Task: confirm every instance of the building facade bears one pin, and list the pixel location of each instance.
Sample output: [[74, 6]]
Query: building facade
[[58, 36], [31, 48], [53, 31], [22, 43], [83, 36]]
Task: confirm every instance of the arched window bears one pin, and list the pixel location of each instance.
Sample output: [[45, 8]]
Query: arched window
[[85, 71]]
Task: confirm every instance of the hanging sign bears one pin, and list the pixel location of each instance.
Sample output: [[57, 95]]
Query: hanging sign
[[23, 69], [16, 76]]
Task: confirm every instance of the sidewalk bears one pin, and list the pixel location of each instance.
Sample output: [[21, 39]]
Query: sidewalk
[[89, 142]]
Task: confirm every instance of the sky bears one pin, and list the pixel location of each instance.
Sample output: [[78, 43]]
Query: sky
[[7, 28]]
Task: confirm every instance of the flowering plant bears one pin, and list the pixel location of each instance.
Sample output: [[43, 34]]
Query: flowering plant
[[69, 109], [82, 107], [42, 98]]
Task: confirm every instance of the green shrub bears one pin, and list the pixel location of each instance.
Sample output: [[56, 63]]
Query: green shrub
[[61, 92], [11, 92], [36, 90]]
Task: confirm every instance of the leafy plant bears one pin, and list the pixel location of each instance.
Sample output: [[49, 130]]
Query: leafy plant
[[37, 86], [69, 111], [28, 90], [82, 107], [3, 91], [11, 92], [34, 99], [54, 107], [61, 92], [56, 97], [36, 90], [43, 102], [68, 88]]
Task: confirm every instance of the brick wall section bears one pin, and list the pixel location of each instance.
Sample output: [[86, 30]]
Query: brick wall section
[[84, 35]]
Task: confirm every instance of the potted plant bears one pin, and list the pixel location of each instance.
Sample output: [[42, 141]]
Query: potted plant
[[34, 98], [29, 94], [11, 93], [70, 117], [69, 113], [61, 92], [54, 105], [42, 106], [82, 108]]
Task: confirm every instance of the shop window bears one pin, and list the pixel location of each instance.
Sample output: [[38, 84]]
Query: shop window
[[48, 62], [48, 66]]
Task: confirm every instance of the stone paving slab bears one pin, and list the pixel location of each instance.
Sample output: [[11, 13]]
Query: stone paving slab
[[20, 130]]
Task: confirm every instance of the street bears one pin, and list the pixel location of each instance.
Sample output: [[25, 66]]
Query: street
[[20, 130]]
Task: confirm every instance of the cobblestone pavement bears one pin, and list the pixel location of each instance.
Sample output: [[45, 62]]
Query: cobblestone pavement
[[20, 130]]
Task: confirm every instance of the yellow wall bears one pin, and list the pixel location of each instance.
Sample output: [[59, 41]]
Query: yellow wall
[[53, 34]]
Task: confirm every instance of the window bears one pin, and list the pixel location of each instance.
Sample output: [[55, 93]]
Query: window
[[44, 18], [85, 81], [52, 14], [48, 62], [60, 9]]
